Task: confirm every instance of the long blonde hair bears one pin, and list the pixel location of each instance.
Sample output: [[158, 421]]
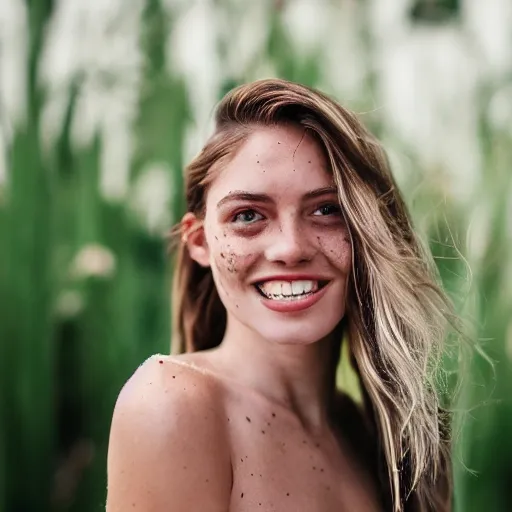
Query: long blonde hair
[[396, 311]]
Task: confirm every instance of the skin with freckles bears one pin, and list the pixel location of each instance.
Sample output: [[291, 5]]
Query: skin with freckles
[[286, 231], [250, 425]]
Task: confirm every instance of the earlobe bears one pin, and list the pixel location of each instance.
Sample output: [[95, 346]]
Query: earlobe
[[192, 234]]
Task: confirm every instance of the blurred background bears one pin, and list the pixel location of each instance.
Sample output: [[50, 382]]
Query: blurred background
[[103, 102]]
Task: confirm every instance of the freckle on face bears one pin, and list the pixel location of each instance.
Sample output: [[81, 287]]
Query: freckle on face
[[237, 254]]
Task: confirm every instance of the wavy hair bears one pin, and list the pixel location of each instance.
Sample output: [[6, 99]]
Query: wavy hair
[[397, 313]]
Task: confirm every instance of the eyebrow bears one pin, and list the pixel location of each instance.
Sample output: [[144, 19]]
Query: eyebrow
[[241, 195]]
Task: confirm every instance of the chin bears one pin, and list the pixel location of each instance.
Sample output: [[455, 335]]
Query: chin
[[298, 333]]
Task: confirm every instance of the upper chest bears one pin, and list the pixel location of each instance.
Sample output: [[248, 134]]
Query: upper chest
[[279, 466]]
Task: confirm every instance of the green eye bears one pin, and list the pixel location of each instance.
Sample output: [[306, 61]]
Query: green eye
[[327, 209], [247, 217]]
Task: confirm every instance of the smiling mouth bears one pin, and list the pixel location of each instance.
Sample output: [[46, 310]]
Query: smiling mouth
[[289, 290]]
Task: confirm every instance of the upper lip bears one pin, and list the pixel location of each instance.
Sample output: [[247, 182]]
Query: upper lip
[[291, 277]]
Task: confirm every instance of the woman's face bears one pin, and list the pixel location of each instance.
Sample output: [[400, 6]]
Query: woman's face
[[275, 238]]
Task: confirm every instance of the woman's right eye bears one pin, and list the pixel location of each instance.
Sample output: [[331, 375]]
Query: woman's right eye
[[247, 217]]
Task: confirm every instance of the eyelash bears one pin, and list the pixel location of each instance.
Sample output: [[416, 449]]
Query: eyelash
[[330, 205], [248, 210], [337, 212]]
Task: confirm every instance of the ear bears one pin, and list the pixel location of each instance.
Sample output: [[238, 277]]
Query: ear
[[192, 234]]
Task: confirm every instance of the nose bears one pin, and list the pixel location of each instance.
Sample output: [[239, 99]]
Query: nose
[[290, 245]]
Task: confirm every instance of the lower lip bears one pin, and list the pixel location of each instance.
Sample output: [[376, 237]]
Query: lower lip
[[290, 306]]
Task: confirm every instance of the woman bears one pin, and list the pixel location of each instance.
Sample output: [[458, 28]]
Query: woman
[[295, 238]]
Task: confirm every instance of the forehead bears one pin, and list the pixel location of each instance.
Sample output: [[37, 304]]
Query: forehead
[[280, 161]]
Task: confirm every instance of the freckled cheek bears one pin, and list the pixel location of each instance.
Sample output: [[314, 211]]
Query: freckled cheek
[[338, 251], [232, 258], [231, 270]]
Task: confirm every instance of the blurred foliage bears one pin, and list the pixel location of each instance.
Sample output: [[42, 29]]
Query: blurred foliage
[[84, 283]]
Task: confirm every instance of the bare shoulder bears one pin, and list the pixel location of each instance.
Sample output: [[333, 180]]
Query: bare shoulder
[[167, 389], [169, 448]]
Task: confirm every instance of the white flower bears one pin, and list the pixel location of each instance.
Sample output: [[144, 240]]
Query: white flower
[[500, 109], [13, 62], [13, 75], [194, 138], [306, 23], [342, 52], [388, 20], [428, 106], [489, 29], [95, 45], [479, 230], [69, 304], [93, 260], [151, 195], [247, 23], [192, 53]]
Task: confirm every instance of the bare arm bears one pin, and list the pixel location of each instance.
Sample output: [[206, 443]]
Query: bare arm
[[168, 449]]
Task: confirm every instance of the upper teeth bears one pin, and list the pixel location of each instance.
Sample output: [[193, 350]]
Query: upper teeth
[[288, 288]]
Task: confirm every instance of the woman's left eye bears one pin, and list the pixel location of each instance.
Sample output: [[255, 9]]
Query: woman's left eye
[[327, 209], [247, 217]]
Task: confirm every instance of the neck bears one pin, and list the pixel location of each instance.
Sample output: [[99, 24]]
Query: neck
[[298, 377]]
